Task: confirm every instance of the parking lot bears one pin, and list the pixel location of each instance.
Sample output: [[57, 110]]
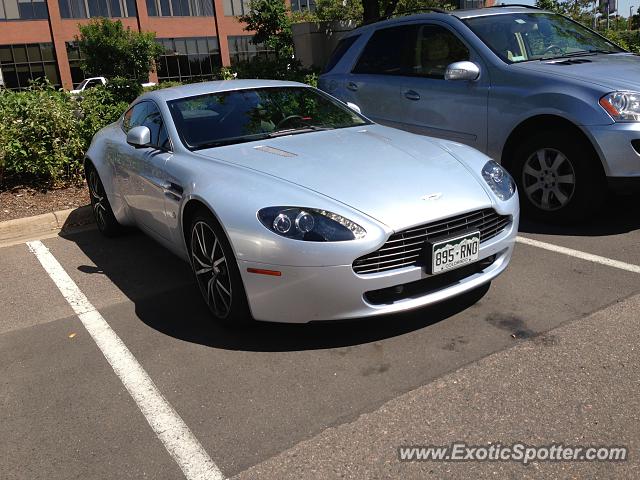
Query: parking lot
[[249, 395]]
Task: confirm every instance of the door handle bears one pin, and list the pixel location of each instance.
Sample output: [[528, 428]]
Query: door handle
[[411, 95], [352, 86]]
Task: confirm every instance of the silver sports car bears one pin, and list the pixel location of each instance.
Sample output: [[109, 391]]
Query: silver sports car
[[293, 207]]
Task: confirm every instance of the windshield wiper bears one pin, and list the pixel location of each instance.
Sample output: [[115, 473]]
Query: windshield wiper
[[229, 141], [294, 131], [579, 53]]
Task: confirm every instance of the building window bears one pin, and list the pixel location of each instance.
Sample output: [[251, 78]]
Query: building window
[[189, 59], [97, 8], [75, 58], [23, 10], [303, 5], [22, 63], [234, 8], [242, 49], [180, 8]]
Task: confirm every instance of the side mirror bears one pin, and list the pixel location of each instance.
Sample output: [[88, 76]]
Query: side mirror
[[139, 137], [354, 107], [462, 71]]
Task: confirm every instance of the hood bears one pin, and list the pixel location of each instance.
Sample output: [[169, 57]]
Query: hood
[[395, 177], [613, 71]]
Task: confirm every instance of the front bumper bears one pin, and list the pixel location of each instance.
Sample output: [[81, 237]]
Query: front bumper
[[616, 145], [306, 294]]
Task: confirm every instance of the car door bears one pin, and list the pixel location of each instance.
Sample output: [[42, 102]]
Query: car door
[[375, 84], [451, 109], [143, 170]]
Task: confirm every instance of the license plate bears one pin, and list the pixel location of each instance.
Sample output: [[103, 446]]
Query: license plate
[[454, 252]]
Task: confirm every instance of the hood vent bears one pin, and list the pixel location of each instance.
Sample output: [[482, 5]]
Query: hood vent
[[275, 151], [572, 61]]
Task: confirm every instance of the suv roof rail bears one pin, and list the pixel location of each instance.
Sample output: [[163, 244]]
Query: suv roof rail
[[415, 10], [503, 5]]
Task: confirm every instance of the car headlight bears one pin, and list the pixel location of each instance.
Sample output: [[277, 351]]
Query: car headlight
[[622, 106], [310, 224], [498, 180]]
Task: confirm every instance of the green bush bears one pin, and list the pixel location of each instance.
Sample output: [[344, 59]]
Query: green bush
[[45, 133], [629, 40], [124, 89], [39, 133], [278, 69]]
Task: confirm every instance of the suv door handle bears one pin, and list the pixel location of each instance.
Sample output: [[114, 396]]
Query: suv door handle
[[411, 95], [352, 86]]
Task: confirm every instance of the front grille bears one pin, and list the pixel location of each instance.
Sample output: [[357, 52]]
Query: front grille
[[405, 248]]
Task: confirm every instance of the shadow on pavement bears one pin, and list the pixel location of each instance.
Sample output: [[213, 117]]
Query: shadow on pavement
[[620, 214], [166, 298]]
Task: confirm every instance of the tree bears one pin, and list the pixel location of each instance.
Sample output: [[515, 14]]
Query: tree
[[579, 10], [271, 23], [110, 50]]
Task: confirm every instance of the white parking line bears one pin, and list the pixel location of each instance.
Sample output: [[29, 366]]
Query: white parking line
[[578, 254], [175, 435]]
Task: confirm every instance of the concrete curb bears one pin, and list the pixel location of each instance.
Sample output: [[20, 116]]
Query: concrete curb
[[45, 225]]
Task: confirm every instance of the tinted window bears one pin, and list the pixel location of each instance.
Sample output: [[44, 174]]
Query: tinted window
[[390, 51], [146, 114], [153, 121], [437, 48], [135, 116], [339, 51], [247, 115]]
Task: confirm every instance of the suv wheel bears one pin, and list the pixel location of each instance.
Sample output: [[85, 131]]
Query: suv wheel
[[559, 179]]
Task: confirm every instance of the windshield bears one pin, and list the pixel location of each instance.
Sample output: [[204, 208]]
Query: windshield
[[520, 37], [226, 118]]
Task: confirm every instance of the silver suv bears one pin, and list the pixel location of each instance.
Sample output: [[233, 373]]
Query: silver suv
[[556, 103]]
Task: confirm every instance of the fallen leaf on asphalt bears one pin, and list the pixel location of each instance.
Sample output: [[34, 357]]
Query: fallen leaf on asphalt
[[71, 335]]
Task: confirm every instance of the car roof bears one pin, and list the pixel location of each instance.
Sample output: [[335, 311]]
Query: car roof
[[461, 14], [202, 88]]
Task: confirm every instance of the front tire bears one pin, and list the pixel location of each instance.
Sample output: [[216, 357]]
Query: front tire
[[102, 212], [216, 271], [559, 177]]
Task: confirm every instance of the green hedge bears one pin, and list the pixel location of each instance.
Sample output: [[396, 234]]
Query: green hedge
[[44, 132], [626, 39]]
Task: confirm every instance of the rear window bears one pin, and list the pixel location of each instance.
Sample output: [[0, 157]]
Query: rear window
[[339, 51]]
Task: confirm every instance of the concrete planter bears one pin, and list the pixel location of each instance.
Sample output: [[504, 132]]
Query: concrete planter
[[314, 41]]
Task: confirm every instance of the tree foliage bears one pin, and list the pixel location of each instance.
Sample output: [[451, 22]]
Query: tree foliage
[[110, 50], [271, 23]]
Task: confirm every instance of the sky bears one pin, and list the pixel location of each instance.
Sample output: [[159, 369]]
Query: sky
[[623, 5]]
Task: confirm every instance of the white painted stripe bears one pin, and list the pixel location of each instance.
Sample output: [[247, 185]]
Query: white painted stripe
[[175, 435], [578, 254]]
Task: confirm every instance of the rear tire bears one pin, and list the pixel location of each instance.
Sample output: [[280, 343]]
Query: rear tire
[[560, 178], [216, 271], [102, 212]]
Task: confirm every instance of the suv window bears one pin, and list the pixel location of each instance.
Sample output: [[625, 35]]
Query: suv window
[[436, 49], [146, 114], [339, 51], [390, 51]]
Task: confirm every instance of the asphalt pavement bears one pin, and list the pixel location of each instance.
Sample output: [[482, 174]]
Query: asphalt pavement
[[548, 352]]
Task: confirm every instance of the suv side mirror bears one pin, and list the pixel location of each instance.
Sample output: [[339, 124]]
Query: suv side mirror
[[462, 71], [139, 137]]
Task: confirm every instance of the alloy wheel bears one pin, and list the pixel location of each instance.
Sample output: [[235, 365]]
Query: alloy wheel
[[549, 179], [97, 199], [211, 269]]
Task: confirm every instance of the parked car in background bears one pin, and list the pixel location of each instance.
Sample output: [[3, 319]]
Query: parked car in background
[[292, 207], [92, 82], [556, 103]]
